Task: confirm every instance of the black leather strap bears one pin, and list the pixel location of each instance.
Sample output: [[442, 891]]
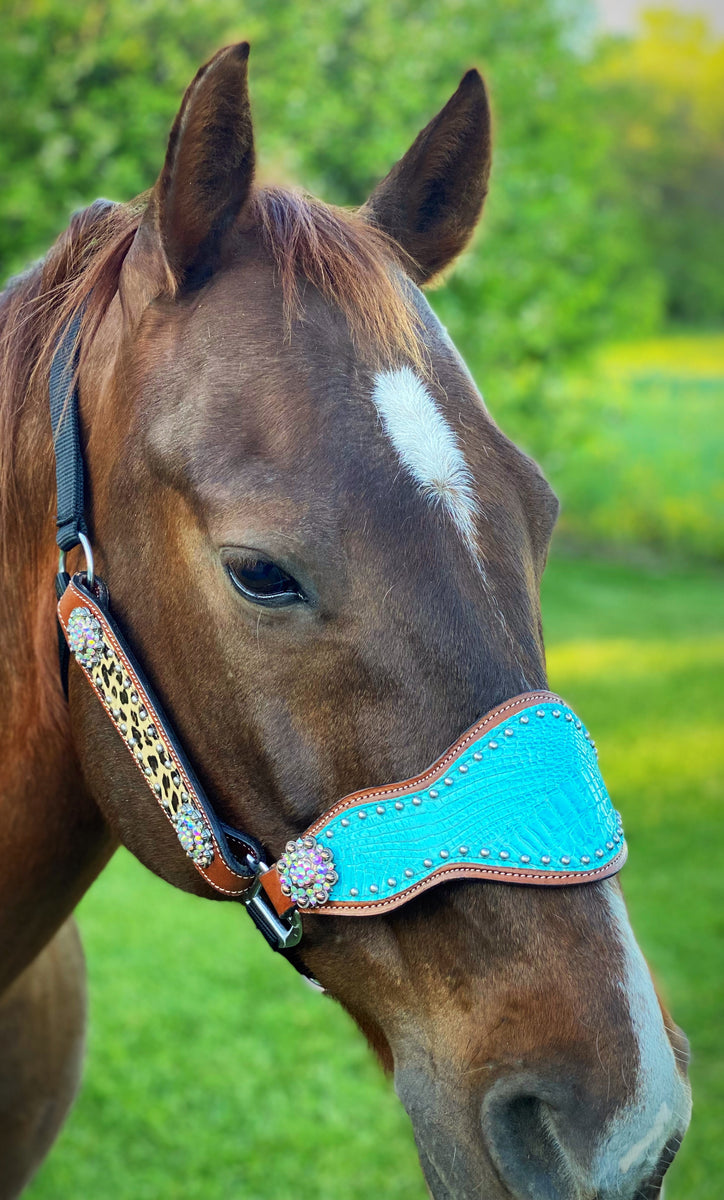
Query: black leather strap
[[66, 435]]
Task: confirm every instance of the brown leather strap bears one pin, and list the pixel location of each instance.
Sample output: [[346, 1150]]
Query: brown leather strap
[[145, 733]]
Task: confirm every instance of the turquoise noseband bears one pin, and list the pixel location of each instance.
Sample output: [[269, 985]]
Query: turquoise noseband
[[519, 798]]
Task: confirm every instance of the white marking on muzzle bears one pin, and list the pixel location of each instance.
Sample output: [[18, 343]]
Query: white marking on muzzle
[[427, 447], [661, 1105]]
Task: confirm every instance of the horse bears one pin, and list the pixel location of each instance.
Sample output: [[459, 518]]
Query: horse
[[328, 556]]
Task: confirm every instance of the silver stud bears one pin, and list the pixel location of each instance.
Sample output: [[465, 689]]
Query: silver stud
[[578, 724], [151, 731], [484, 853], [176, 779], [392, 883], [329, 832], [115, 712], [525, 858], [126, 682], [545, 858], [184, 795], [569, 716], [147, 771], [463, 769], [493, 745], [599, 854], [434, 794], [362, 814], [354, 891], [142, 713], [444, 854], [427, 863], [477, 756], [123, 727], [463, 849], [617, 838], [416, 801], [541, 712], [381, 809], [408, 873], [399, 805], [374, 888], [131, 741], [159, 747], [504, 854], [609, 845], [345, 822], [448, 782], [524, 720], [565, 859], [509, 732], [556, 712], [585, 859], [157, 788]]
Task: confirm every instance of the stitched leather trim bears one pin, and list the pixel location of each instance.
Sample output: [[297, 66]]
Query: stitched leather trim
[[220, 874], [354, 908]]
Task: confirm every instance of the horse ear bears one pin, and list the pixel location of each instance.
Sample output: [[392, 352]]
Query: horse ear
[[432, 198], [209, 168]]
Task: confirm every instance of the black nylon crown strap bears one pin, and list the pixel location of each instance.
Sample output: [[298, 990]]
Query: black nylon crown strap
[[66, 435]]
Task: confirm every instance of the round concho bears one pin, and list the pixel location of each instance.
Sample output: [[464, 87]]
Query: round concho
[[307, 872], [85, 637], [194, 835]]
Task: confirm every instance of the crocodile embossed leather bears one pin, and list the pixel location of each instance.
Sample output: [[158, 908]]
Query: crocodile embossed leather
[[518, 798]]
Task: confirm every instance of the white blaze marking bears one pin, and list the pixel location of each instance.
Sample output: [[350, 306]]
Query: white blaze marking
[[427, 447], [662, 1103]]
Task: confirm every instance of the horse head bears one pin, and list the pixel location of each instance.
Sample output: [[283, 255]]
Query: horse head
[[328, 556]]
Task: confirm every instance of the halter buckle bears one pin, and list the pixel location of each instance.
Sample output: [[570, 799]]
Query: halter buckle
[[282, 933]]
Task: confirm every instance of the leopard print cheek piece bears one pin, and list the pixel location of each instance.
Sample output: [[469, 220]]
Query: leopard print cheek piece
[[138, 718]]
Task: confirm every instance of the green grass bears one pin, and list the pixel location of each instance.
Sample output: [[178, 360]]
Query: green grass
[[214, 1072], [646, 463]]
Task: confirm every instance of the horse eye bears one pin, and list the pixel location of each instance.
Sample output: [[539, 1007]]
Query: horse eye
[[265, 583]]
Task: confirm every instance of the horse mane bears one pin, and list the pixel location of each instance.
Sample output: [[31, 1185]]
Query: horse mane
[[354, 265]]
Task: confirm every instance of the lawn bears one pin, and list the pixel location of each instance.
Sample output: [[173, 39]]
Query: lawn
[[214, 1072], [646, 463]]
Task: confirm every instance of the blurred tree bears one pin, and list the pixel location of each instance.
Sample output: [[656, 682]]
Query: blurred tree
[[664, 91], [340, 89]]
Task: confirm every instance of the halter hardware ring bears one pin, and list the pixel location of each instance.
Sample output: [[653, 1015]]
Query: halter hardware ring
[[88, 552], [281, 933]]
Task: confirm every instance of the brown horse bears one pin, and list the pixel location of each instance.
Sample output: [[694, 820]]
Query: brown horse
[[328, 557]]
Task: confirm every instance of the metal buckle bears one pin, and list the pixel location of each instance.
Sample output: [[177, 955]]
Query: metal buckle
[[279, 934]]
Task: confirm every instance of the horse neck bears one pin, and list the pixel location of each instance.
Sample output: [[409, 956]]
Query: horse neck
[[31, 698]]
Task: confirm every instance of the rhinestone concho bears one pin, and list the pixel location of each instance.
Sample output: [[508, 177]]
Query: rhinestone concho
[[194, 835], [307, 872], [134, 722], [85, 637]]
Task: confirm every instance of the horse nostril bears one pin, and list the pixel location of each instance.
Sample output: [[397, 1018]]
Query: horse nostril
[[519, 1123]]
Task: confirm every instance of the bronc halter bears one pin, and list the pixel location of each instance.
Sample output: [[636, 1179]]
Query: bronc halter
[[518, 798]]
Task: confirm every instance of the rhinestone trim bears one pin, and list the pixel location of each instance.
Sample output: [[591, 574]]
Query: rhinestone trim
[[307, 873]]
